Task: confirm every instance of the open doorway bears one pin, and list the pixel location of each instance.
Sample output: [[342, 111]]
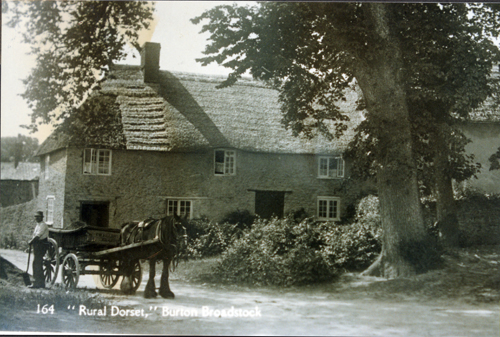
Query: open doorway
[[269, 204], [95, 213]]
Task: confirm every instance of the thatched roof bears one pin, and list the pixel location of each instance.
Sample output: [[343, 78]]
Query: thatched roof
[[23, 171], [185, 112]]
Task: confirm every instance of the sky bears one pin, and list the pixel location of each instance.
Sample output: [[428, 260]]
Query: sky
[[180, 41]]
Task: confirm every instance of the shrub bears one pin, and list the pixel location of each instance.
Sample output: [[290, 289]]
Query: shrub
[[351, 247], [354, 247], [206, 238], [294, 251], [243, 219], [276, 252]]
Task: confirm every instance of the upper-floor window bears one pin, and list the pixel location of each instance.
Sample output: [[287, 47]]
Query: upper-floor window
[[225, 162], [97, 161], [50, 209], [46, 166], [328, 208], [330, 167], [180, 207]]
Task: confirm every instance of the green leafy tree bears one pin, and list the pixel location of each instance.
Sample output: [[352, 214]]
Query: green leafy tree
[[74, 43], [495, 161], [312, 52], [19, 149]]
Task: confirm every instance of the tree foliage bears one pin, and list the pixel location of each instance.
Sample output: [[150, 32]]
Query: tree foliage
[[310, 52], [20, 148], [495, 160], [74, 42], [420, 67]]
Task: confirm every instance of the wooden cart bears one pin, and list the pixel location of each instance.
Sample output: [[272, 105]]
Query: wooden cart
[[74, 250]]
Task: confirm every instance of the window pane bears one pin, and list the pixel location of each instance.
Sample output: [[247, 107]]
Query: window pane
[[50, 210], [219, 162], [229, 165], [340, 169], [172, 207], [185, 207], [323, 167], [104, 160], [332, 214], [322, 209], [332, 167]]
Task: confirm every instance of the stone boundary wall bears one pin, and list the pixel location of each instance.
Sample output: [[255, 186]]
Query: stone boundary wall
[[479, 220], [17, 223]]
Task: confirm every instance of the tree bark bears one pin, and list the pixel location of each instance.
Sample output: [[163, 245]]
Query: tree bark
[[406, 245]]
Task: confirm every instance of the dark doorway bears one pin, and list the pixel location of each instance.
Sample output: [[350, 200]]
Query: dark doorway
[[95, 213], [269, 204]]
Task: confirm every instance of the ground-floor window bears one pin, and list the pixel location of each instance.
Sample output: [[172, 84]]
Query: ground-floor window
[[50, 209], [328, 208], [180, 207]]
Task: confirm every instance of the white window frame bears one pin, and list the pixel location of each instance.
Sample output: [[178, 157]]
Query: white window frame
[[326, 172], [51, 201], [47, 165], [93, 165], [328, 214], [179, 207], [228, 166]]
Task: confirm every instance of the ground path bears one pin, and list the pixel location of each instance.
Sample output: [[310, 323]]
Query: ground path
[[298, 311]]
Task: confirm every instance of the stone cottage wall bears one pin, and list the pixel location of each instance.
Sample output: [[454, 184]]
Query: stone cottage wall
[[141, 183], [54, 185]]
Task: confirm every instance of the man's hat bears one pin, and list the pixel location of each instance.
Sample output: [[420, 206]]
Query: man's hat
[[39, 213]]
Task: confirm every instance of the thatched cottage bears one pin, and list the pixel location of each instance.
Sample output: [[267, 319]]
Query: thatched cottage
[[170, 142]]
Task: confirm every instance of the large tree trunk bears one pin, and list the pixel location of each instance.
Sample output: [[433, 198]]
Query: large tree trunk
[[406, 245], [447, 221]]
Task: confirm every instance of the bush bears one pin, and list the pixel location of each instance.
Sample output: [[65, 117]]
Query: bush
[[295, 251], [276, 252], [351, 247], [243, 219], [206, 238], [354, 247]]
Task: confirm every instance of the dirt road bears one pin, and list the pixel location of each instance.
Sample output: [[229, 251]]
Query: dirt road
[[204, 309]]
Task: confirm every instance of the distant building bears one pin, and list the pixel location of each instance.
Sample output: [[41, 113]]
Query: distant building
[[173, 143], [483, 130], [18, 184]]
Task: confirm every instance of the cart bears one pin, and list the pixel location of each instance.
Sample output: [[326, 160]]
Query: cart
[[75, 250]]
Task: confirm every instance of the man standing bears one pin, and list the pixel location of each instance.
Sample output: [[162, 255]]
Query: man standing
[[39, 242]]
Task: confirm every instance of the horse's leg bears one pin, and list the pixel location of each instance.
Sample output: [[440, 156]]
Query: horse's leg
[[165, 291], [126, 284], [150, 290]]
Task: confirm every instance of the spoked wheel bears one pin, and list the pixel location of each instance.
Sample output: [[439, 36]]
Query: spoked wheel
[[51, 263], [108, 274], [136, 275], [70, 271]]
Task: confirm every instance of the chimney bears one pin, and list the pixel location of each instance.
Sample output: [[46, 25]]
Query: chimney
[[150, 61]]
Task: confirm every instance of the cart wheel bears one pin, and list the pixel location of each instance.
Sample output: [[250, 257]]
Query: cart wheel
[[70, 271], [108, 275], [136, 276], [51, 263]]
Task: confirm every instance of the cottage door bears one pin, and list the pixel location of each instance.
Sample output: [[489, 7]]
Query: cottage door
[[269, 204], [95, 213]]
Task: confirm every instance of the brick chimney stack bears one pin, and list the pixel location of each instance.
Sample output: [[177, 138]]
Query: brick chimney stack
[[150, 61]]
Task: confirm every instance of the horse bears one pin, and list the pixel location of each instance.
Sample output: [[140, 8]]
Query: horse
[[168, 231]]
